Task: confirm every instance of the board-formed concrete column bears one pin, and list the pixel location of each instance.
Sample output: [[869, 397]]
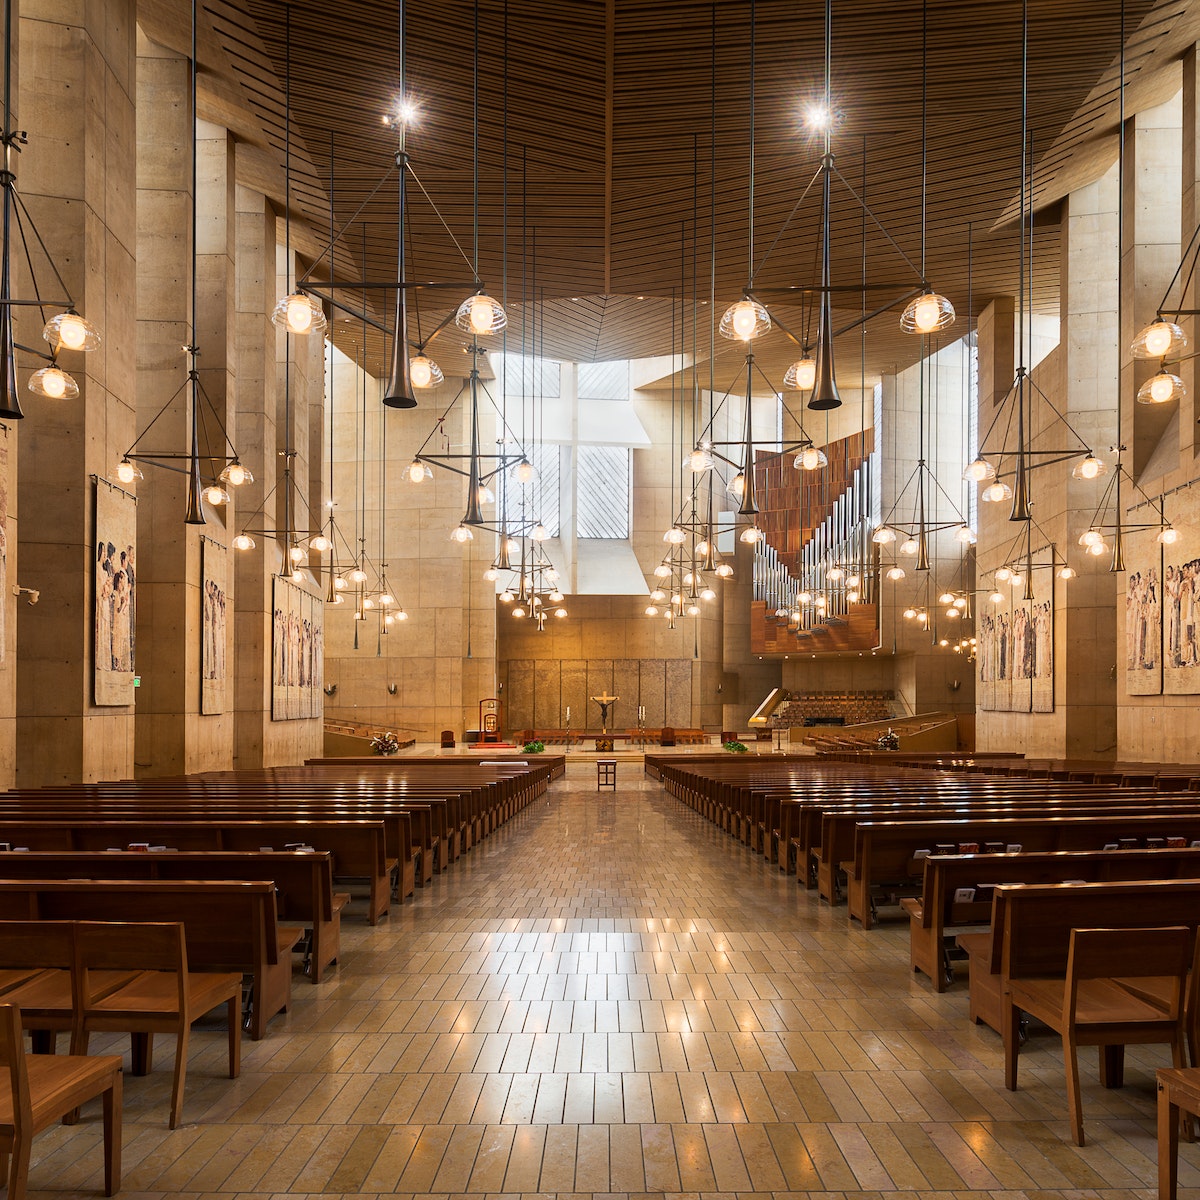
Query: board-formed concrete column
[[1189, 219], [1149, 256], [78, 177]]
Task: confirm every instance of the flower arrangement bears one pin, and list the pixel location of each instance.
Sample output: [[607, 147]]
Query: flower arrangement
[[385, 743], [735, 747], [889, 740], [534, 747]]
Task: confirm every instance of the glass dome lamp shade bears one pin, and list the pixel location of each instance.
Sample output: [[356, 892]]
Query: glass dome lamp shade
[[1167, 536], [551, 575], [1160, 339], [1090, 467], [401, 615], [424, 372], [883, 536], [658, 595], [235, 474], [910, 614], [491, 575], [834, 573], [296, 554], [805, 597], [966, 535], [485, 494], [128, 472], [523, 472], [418, 471], [707, 594], [996, 492], [810, 459], [1161, 389], [960, 602], [368, 602], [752, 535], [821, 602], [518, 612], [512, 545], [297, 576], [946, 598], [461, 534], [244, 541], [802, 374], [979, 471], [1016, 580], [675, 536], [895, 574], [53, 383], [358, 575], [339, 584], [909, 546], [699, 461], [724, 570], [506, 597], [1003, 575], [387, 599], [481, 315], [321, 544], [539, 533], [560, 613], [1096, 549], [852, 597], [662, 571], [70, 331], [927, 313], [736, 487], [556, 597], [744, 321], [216, 495], [1090, 537], [693, 609], [1066, 572], [953, 614], [300, 313], [852, 581]]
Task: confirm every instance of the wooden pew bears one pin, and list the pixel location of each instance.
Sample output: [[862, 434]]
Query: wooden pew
[[231, 925]]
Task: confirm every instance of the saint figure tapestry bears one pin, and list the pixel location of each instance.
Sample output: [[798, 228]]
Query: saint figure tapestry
[[214, 626], [115, 591], [1143, 614]]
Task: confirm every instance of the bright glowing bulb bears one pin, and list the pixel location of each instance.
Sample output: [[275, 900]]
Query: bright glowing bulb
[[946, 598], [1003, 575], [72, 331], [215, 494], [556, 597], [127, 472], [751, 535], [909, 546], [835, 573], [744, 319], [560, 613], [539, 533], [895, 574], [810, 459], [817, 117], [1016, 580], [387, 599], [235, 474], [491, 574], [707, 594], [420, 372], [1168, 536], [953, 613], [506, 597], [299, 313], [486, 495], [524, 471], [1157, 339], [511, 545], [994, 493], [724, 570], [358, 575], [416, 471], [883, 536], [1089, 468], [551, 575], [339, 584], [1090, 537], [1097, 549], [662, 571], [54, 384], [851, 597], [675, 536], [960, 602], [1067, 572], [910, 613], [320, 543], [461, 534], [297, 576], [518, 612], [368, 602], [1162, 388], [966, 535], [296, 554], [244, 541], [482, 314], [657, 595], [926, 313]]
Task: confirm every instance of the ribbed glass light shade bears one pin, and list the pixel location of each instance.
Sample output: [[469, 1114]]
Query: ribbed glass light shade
[[751, 535], [996, 492], [418, 471], [320, 543], [481, 315], [70, 331], [1090, 537], [1160, 339], [895, 573], [216, 495], [802, 374], [235, 474], [724, 570], [461, 533], [128, 472], [1161, 389], [299, 313], [524, 472], [699, 461], [810, 459], [910, 546], [54, 383], [979, 471], [744, 321], [736, 487], [927, 313], [424, 372], [1090, 468], [243, 541], [883, 536], [1167, 536], [966, 535], [674, 536]]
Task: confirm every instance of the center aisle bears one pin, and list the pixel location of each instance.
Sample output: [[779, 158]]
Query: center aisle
[[611, 996]]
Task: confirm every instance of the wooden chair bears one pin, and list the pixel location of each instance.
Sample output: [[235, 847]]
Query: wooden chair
[[1123, 987], [163, 997], [42, 1089], [36, 958]]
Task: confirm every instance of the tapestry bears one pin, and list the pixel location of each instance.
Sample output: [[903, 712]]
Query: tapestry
[[1042, 628], [115, 594], [1015, 649], [297, 653], [1181, 611], [214, 626], [1143, 625]]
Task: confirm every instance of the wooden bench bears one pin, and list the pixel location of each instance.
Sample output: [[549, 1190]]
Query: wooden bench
[[957, 890], [230, 925]]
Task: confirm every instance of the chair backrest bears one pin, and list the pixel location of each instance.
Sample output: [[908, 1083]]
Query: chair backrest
[[118, 946], [12, 1064], [42, 944], [1162, 953]]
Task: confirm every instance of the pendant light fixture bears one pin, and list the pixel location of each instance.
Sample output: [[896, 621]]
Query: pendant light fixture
[[62, 331], [234, 472]]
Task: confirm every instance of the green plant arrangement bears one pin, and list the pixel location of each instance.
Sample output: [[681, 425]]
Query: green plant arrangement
[[735, 747], [534, 747], [385, 743]]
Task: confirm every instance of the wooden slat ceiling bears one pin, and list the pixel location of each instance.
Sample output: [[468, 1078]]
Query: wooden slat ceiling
[[621, 177]]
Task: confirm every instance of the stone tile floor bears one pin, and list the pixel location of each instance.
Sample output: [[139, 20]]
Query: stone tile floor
[[610, 997]]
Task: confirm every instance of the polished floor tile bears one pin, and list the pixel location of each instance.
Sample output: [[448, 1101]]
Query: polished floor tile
[[609, 997]]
